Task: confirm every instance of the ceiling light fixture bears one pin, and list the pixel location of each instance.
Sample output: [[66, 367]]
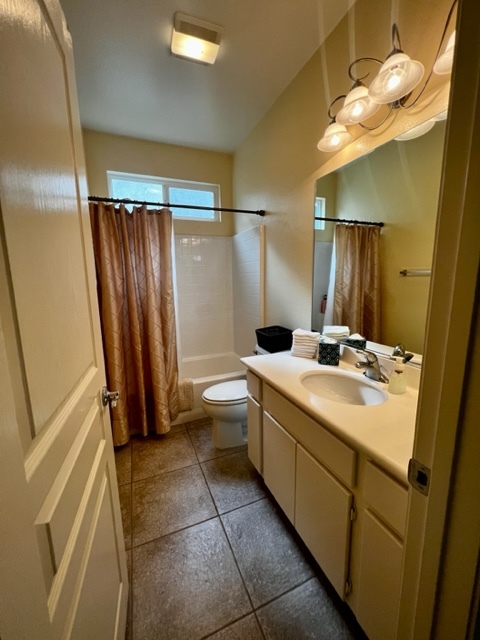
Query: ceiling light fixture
[[194, 39], [399, 75]]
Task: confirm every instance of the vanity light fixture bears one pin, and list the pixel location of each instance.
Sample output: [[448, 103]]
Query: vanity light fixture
[[444, 63], [195, 39], [336, 135], [419, 130], [398, 76]]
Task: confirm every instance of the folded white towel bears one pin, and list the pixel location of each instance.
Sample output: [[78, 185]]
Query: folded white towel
[[303, 333], [335, 330], [305, 343]]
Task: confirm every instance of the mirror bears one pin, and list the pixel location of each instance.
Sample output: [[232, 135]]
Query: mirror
[[397, 184]]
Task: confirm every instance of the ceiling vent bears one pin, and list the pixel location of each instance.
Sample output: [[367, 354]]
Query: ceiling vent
[[195, 39]]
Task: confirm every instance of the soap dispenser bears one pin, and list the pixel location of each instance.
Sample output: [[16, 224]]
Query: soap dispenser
[[398, 380]]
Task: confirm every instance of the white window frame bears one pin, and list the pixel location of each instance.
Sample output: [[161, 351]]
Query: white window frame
[[319, 209], [166, 184]]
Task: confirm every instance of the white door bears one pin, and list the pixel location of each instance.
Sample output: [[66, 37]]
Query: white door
[[62, 557], [441, 589]]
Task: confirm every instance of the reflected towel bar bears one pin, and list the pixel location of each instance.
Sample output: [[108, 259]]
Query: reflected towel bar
[[416, 272]]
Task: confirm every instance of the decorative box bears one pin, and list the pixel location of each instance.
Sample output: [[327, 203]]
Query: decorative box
[[328, 352], [358, 344]]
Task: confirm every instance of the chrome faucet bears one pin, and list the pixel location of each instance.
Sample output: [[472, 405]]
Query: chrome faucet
[[399, 352], [372, 366]]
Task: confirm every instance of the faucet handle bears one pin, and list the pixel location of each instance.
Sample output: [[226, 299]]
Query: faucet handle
[[370, 357], [399, 352]]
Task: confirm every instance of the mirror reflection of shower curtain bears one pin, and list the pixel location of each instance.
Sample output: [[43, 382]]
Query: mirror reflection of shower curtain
[[354, 289]]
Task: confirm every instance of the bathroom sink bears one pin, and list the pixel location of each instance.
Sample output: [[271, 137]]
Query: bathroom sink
[[347, 388]]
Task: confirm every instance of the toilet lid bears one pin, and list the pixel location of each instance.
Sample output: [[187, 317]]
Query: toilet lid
[[231, 391]]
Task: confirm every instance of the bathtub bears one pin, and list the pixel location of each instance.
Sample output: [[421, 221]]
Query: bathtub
[[206, 371]]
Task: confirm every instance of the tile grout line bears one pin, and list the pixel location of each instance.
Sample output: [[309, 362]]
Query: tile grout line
[[227, 539]]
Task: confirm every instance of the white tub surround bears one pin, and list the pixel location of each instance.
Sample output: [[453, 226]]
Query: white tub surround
[[384, 432]]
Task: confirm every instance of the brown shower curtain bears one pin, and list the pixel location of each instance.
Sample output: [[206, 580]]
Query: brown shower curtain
[[357, 279], [133, 259]]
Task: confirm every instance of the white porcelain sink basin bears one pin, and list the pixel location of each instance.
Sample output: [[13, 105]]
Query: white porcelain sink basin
[[344, 387]]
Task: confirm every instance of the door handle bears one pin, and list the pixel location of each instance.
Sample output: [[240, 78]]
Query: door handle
[[110, 397]]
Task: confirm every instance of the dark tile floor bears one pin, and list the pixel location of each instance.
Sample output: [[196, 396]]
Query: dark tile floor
[[210, 555]]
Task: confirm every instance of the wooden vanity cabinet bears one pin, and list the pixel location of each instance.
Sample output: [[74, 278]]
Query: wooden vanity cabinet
[[382, 528], [316, 502], [350, 513]]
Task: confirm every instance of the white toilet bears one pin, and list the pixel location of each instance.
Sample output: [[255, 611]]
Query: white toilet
[[226, 404]]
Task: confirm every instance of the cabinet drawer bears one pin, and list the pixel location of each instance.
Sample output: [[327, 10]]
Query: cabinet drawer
[[332, 452], [254, 386], [387, 497]]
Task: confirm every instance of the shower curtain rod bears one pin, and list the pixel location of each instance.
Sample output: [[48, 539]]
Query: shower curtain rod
[[260, 212], [371, 224]]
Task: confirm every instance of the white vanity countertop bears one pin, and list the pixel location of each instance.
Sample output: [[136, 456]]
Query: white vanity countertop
[[384, 432]]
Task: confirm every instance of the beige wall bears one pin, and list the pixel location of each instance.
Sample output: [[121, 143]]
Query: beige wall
[[276, 167], [105, 151]]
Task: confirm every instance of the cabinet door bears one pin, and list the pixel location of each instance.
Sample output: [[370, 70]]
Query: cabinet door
[[254, 421], [379, 579], [322, 517], [279, 464]]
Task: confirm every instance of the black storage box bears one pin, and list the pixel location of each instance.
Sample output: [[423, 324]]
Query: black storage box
[[274, 338]]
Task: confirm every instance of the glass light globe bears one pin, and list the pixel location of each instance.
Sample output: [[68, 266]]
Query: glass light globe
[[443, 115], [397, 77], [335, 138], [445, 62], [417, 131], [357, 107]]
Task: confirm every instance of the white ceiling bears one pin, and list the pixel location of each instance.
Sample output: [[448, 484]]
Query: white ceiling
[[130, 84]]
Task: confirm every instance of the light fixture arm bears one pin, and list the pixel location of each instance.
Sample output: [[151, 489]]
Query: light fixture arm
[[358, 80], [396, 44], [329, 113], [402, 102], [364, 126]]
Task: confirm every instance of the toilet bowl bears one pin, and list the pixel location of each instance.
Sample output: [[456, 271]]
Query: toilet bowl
[[226, 404]]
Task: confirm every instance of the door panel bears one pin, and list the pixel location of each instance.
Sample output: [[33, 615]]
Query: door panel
[[101, 578], [61, 505], [44, 224], [57, 435]]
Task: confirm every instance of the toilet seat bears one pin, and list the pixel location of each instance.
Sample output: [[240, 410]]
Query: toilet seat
[[232, 392]]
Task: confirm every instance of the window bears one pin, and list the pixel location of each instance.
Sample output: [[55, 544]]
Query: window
[[319, 213], [153, 189]]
